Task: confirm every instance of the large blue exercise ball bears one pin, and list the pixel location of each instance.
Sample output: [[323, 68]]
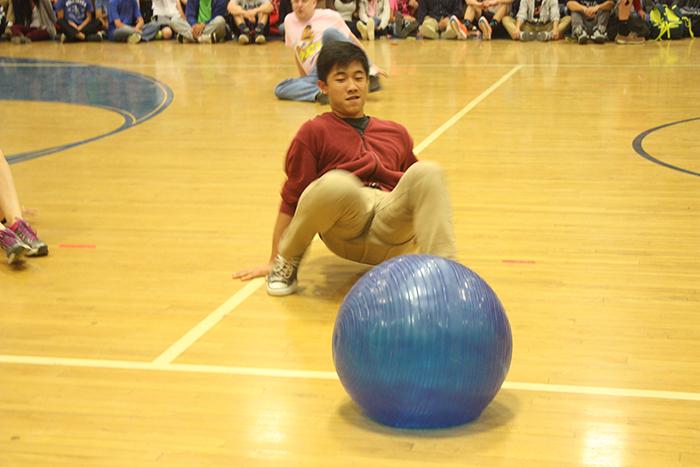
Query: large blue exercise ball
[[422, 342]]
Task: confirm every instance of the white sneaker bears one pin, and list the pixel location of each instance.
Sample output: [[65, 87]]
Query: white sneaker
[[282, 279], [134, 38]]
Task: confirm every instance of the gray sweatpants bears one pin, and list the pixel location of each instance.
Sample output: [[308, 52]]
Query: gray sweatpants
[[581, 22]]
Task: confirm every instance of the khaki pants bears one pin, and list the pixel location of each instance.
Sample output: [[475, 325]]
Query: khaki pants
[[509, 23], [433, 24], [368, 225]]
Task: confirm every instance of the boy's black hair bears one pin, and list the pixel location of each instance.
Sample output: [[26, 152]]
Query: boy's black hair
[[339, 53]]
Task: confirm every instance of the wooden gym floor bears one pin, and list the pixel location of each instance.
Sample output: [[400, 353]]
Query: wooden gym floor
[[130, 345]]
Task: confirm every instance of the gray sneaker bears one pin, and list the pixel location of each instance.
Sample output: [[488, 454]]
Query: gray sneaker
[[527, 36], [27, 235], [598, 37], [583, 38], [282, 280], [13, 246], [544, 36]]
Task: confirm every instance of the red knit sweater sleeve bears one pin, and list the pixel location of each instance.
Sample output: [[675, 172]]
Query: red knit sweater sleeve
[[301, 167]]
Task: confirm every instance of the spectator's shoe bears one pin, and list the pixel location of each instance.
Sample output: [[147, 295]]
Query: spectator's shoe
[[282, 279], [207, 39], [374, 84], [20, 40], [544, 36], [485, 29], [631, 39], [321, 98], [13, 247], [97, 37], [370, 30], [24, 232], [180, 39], [428, 32], [362, 28], [598, 37], [527, 36], [459, 28], [159, 35], [260, 37], [408, 29], [398, 23], [583, 38], [134, 38], [244, 38]]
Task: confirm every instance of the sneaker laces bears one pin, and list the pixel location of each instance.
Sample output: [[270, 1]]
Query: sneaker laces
[[283, 269], [24, 231]]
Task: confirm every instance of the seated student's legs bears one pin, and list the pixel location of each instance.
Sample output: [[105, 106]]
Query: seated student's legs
[[470, 15], [302, 89], [181, 27], [339, 208], [126, 34], [418, 209], [367, 225], [429, 28], [216, 26], [71, 34], [601, 24], [157, 23]]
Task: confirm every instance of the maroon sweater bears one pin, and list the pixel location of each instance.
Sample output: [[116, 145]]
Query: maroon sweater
[[378, 158]]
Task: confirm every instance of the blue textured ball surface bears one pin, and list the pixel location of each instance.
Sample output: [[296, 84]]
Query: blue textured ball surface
[[422, 342]]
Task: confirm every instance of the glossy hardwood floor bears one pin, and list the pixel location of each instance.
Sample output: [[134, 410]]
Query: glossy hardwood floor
[[594, 250]]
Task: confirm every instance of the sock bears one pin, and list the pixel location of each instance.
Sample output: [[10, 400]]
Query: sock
[[624, 28]]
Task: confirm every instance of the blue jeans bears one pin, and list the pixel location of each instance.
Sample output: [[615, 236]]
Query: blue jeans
[[304, 88]]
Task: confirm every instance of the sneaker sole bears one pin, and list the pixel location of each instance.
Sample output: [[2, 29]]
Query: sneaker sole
[[16, 255], [260, 39], [485, 30], [460, 33], [629, 43], [41, 251], [282, 292]]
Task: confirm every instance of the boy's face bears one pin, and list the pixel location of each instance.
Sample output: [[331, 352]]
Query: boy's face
[[304, 9], [346, 87]]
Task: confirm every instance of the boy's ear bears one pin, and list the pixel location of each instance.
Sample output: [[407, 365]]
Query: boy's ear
[[323, 86]]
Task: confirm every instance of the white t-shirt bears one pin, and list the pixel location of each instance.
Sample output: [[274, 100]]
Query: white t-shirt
[[165, 8]]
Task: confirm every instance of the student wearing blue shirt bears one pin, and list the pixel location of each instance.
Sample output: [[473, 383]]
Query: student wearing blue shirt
[[125, 21], [77, 21]]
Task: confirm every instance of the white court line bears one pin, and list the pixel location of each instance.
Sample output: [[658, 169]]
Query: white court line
[[209, 322], [217, 315], [455, 118], [329, 375]]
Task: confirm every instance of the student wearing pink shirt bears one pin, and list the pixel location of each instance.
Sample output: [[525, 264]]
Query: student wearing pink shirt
[[306, 31]]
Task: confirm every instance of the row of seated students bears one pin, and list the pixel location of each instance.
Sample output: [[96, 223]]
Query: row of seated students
[[253, 21]]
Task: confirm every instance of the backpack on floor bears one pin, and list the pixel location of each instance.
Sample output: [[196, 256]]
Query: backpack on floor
[[667, 22], [691, 10]]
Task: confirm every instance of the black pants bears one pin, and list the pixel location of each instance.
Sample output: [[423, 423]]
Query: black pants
[[71, 33]]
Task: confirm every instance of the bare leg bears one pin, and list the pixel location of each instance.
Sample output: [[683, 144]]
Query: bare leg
[[10, 208]]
